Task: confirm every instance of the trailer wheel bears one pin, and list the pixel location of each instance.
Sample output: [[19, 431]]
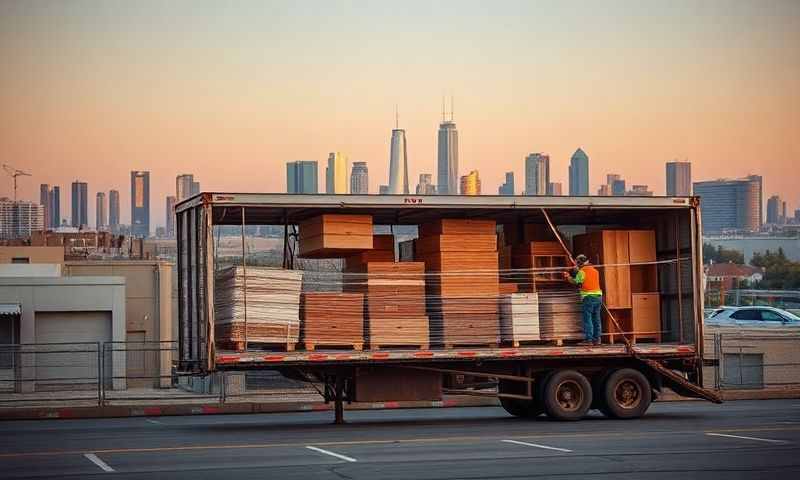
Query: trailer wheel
[[566, 395], [626, 394], [515, 406]]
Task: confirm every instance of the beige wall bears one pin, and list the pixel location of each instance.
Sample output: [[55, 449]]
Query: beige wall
[[148, 306], [35, 254]]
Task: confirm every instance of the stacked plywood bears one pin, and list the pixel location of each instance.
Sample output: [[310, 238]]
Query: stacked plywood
[[333, 319], [382, 251], [519, 317], [335, 235], [269, 307], [462, 284], [560, 315], [395, 303]]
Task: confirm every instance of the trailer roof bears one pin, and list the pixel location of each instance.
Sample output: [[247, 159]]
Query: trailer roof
[[276, 208]]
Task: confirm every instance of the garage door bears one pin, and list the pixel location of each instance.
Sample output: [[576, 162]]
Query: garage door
[[69, 362]]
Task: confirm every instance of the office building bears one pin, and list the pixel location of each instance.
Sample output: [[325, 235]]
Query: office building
[[579, 173], [19, 218], [618, 187], [537, 174], [170, 228], [554, 188], [80, 202], [447, 157], [44, 201], [398, 163], [507, 188], [185, 187], [639, 191], [774, 207], [425, 185], [359, 179], [54, 203], [784, 218], [140, 204], [471, 184], [383, 190], [679, 179], [336, 174], [100, 211], [730, 205], [113, 209], [301, 176]]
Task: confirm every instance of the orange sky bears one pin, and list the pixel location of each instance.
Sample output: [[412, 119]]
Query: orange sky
[[92, 90]]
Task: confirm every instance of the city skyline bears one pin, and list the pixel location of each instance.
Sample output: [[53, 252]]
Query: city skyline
[[517, 90]]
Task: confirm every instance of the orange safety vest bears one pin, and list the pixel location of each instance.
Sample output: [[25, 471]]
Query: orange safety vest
[[591, 281]]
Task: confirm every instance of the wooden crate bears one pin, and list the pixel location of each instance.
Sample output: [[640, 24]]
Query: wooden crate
[[335, 235], [332, 319]]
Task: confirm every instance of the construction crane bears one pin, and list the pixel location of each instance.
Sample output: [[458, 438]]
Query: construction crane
[[14, 172]]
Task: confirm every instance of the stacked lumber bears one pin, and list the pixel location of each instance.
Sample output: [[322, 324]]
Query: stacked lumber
[[560, 315], [335, 235], [519, 318], [333, 319], [382, 251], [394, 295], [462, 285], [268, 306], [507, 287]]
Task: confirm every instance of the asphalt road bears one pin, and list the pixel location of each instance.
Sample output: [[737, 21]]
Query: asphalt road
[[747, 439]]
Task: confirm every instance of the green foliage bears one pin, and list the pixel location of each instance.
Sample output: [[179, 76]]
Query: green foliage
[[721, 255], [780, 273]]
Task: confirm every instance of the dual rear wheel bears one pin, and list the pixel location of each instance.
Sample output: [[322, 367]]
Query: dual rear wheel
[[568, 395]]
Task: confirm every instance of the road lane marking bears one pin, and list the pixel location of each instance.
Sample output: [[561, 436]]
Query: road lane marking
[[154, 422], [516, 442], [96, 460], [768, 440], [332, 454]]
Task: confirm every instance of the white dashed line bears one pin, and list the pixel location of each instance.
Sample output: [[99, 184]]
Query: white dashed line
[[154, 422], [517, 442], [768, 440], [96, 460], [332, 454]]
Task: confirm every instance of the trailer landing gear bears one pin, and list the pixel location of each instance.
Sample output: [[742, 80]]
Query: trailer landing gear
[[338, 400]]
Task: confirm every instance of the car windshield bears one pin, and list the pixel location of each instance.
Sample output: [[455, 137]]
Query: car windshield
[[717, 312], [791, 316]]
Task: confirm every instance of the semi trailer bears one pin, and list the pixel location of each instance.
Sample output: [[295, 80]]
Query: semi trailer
[[561, 378]]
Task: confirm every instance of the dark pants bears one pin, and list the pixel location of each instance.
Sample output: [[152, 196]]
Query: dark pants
[[591, 317]]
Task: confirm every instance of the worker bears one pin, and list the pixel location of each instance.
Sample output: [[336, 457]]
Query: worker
[[588, 279]]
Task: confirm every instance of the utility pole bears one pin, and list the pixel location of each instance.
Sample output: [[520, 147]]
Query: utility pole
[[14, 173]]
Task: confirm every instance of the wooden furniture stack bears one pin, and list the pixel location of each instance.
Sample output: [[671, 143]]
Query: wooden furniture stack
[[395, 310], [519, 317], [461, 260], [333, 319], [335, 236], [630, 291], [533, 247], [268, 306]]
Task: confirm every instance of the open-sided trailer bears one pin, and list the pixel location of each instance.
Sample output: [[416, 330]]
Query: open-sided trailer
[[620, 379]]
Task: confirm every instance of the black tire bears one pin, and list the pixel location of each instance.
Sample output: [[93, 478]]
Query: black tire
[[516, 406], [627, 394], [566, 395]]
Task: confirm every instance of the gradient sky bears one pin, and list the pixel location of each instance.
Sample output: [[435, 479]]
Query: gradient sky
[[230, 91]]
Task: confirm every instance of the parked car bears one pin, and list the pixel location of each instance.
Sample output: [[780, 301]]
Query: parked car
[[761, 316]]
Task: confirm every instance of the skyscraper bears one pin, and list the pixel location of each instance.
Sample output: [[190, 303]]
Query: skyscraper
[[44, 201], [759, 184], [447, 156], [679, 179], [383, 190], [113, 209], [140, 204], [54, 205], [100, 211], [80, 201], [398, 162], [19, 218], [359, 179], [425, 185], [537, 174], [618, 187], [579, 173], [301, 176], [508, 187], [730, 204], [471, 184], [555, 188], [774, 207], [171, 200], [185, 187], [336, 173]]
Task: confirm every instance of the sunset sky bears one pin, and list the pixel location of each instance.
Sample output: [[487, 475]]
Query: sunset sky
[[231, 91]]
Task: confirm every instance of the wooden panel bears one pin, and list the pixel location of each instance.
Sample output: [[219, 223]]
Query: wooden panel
[[647, 316], [642, 246], [333, 319], [458, 226], [336, 224], [393, 331], [456, 243], [644, 278], [616, 279], [333, 245]]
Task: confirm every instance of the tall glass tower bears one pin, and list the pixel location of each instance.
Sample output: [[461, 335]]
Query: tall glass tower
[[140, 204], [447, 180], [579, 173], [398, 163]]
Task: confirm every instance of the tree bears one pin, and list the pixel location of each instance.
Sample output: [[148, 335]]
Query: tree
[[721, 255], [780, 273]]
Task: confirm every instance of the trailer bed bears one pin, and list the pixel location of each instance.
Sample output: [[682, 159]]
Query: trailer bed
[[259, 358]]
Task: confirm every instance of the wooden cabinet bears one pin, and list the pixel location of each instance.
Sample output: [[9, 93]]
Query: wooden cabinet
[[646, 317], [605, 248]]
